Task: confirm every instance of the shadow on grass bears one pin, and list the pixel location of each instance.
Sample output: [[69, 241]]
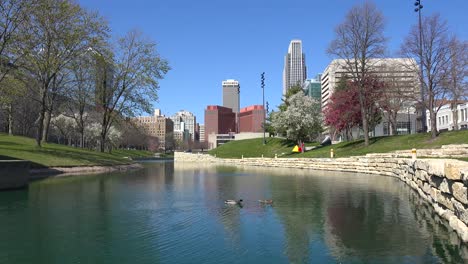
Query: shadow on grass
[[6, 143], [80, 158]]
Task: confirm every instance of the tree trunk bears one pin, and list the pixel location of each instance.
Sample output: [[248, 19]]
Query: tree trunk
[[455, 116], [10, 120], [45, 132], [393, 123], [102, 144], [40, 125], [365, 123]]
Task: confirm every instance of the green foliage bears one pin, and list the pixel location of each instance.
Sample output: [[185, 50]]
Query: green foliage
[[290, 92], [302, 119]]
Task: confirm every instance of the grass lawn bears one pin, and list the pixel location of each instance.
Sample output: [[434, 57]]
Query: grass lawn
[[16, 147], [255, 148]]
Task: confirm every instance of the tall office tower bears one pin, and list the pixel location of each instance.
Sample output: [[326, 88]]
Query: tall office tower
[[294, 72], [189, 121], [231, 95]]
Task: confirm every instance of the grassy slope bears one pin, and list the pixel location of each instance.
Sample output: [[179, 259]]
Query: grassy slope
[[254, 147], [15, 147]]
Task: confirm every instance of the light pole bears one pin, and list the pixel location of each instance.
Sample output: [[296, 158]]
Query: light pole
[[263, 98], [421, 78]]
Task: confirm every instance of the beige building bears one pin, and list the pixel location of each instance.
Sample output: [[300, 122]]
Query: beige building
[[157, 125], [401, 72]]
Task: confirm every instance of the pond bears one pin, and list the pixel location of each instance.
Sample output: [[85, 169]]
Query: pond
[[175, 213]]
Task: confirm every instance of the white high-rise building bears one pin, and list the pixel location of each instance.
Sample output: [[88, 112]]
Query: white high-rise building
[[185, 120], [294, 72]]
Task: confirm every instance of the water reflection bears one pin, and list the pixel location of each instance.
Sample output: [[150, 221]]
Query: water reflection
[[174, 213]]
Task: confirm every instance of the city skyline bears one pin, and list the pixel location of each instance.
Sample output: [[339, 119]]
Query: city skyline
[[203, 48]]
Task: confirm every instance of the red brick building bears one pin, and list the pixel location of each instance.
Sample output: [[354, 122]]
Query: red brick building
[[251, 118], [219, 120]]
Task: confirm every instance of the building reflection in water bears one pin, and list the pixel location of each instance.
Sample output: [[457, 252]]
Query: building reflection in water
[[316, 216]]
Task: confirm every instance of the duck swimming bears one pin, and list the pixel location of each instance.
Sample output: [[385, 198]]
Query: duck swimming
[[239, 202], [266, 201]]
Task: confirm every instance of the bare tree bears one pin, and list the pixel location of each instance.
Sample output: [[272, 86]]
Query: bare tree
[[129, 81], [81, 92], [457, 75], [399, 89], [435, 61], [60, 31], [359, 40]]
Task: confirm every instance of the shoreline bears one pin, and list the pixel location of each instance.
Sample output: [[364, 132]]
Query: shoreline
[[37, 174]]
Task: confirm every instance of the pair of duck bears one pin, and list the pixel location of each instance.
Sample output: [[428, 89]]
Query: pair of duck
[[239, 202]]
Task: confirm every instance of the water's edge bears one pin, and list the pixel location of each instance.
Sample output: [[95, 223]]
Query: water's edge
[[441, 182]]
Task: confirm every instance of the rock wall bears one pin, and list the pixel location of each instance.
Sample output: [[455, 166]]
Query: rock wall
[[442, 182], [13, 174]]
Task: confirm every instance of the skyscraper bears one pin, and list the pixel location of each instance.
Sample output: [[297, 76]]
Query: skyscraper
[[231, 92], [294, 72]]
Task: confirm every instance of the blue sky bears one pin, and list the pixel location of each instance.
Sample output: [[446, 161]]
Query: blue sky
[[208, 41]]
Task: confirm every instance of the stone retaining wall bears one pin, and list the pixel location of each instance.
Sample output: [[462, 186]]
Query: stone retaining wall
[[13, 174], [442, 182]]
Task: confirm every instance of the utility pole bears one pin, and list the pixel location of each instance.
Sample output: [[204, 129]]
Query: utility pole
[[263, 98], [421, 78]]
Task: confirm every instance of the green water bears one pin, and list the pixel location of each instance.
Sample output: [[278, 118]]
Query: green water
[[174, 213]]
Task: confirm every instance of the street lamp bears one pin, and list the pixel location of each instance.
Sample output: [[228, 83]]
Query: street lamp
[[418, 8], [263, 98]]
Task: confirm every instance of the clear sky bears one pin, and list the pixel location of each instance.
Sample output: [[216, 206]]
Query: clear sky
[[208, 41]]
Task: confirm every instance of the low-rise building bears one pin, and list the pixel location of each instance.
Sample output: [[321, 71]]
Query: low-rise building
[[445, 117], [219, 120], [251, 118]]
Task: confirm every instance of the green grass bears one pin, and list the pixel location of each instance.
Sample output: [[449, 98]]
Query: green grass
[[50, 155], [254, 147]]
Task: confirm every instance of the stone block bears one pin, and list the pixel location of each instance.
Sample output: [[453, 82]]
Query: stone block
[[420, 165], [459, 192], [444, 200], [436, 167], [426, 188], [453, 169], [422, 174], [445, 186], [461, 211], [459, 227]]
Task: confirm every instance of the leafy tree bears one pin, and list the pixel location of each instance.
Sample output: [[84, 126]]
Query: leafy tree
[[359, 40], [301, 120], [58, 32], [291, 91], [133, 81], [343, 112], [13, 16]]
